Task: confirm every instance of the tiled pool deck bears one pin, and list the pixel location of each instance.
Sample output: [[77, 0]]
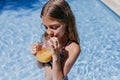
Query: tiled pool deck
[[99, 31]]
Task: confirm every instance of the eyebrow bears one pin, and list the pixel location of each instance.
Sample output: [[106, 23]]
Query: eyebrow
[[51, 24]]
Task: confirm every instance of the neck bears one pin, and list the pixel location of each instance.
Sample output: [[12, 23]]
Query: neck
[[63, 41]]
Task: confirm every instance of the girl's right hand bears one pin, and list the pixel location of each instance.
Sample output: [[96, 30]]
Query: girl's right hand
[[35, 48]]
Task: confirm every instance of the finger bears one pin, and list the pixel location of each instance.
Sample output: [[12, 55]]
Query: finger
[[33, 50], [38, 46], [55, 42], [35, 47], [50, 42]]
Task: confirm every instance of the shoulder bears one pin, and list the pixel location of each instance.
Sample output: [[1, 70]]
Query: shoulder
[[73, 48]]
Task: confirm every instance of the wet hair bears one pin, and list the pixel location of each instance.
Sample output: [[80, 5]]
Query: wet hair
[[61, 11]]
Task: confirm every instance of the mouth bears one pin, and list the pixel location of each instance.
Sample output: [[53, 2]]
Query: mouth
[[52, 36]]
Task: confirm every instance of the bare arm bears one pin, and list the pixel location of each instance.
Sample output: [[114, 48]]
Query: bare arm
[[73, 53], [60, 72]]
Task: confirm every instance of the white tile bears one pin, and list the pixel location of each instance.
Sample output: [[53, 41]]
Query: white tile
[[113, 4]]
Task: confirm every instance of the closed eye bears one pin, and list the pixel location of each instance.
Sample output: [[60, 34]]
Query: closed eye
[[54, 26]]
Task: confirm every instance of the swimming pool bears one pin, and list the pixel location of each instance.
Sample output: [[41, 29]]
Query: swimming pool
[[99, 32]]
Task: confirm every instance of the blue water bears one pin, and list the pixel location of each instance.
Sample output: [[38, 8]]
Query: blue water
[[99, 32]]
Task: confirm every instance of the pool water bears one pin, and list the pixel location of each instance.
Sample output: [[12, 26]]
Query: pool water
[[99, 32]]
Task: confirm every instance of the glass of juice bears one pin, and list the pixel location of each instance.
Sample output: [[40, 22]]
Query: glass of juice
[[45, 53]]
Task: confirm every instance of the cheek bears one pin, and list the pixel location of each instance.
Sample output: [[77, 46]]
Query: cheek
[[60, 33]]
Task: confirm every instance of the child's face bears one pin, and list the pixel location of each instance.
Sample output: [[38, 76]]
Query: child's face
[[53, 27]]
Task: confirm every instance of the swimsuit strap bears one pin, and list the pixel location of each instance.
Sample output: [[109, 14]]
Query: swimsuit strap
[[66, 44], [63, 51]]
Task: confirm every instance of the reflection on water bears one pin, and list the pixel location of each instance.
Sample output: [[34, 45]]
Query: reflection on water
[[98, 28]]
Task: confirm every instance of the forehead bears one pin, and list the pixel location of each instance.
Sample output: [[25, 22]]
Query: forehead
[[50, 21]]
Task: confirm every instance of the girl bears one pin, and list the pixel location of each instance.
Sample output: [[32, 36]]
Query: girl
[[61, 34]]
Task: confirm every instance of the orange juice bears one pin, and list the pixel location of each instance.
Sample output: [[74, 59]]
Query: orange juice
[[44, 55]]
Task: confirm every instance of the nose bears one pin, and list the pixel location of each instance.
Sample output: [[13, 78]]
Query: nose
[[50, 32]]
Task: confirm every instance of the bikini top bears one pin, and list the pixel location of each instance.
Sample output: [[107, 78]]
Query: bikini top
[[62, 58]]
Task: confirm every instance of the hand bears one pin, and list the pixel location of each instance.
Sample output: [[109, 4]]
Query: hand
[[35, 48], [54, 43]]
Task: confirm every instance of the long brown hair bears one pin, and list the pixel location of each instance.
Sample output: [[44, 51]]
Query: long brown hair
[[61, 11]]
